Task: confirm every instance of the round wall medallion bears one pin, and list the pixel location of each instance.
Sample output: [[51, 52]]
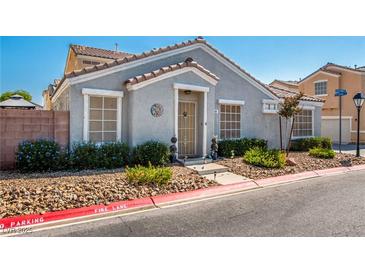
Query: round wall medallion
[[156, 110]]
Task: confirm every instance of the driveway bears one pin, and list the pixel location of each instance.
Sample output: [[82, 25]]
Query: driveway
[[326, 206], [350, 149]]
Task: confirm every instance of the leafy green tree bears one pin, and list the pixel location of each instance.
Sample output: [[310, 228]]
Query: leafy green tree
[[288, 109], [7, 94]]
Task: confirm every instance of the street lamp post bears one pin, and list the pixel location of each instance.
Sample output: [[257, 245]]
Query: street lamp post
[[359, 99]]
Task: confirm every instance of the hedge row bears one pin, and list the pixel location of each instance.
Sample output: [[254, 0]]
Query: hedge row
[[309, 143], [45, 155], [238, 147]]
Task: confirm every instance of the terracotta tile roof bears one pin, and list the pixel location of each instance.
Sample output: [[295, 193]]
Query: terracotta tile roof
[[153, 52], [187, 63], [324, 69], [95, 52], [289, 82], [343, 67], [282, 93]]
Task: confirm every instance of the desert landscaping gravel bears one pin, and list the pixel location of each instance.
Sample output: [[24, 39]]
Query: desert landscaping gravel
[[22, 194], [34, 193], [303, 160]]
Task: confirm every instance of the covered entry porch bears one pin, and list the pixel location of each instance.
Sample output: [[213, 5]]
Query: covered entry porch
[[190, 109]]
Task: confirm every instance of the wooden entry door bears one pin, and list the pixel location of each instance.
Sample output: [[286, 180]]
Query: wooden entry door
[[187, 129]]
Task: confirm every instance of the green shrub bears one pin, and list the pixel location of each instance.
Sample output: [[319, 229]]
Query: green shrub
[[272, 158], [152, 152], [149, 175], [113, 155], [39, 155], [239, 146], [91, 156], [324, 153], [309, 143], [84, 156]]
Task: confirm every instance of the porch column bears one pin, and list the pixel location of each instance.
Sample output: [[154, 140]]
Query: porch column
[[119, 119], [86, 118], [176, 106], [205, 124]]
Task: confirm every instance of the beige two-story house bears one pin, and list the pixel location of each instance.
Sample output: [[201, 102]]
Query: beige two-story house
[[322, 83], [78, 58]]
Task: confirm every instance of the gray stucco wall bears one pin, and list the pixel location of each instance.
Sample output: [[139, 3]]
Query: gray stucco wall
[[139, 125], [143, 126]]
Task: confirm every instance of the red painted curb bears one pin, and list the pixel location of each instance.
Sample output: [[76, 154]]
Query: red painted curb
[[358, 167], [27, 220], [286, 178], [201, 193], [34, 219], [330, 171]]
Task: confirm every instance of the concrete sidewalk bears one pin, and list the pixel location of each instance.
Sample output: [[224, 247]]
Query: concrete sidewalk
[[350, 148]]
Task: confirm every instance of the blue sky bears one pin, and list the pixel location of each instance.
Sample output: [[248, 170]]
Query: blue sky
[[31, 63]]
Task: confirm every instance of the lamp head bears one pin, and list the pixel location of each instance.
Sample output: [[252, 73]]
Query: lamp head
[[359, 99]]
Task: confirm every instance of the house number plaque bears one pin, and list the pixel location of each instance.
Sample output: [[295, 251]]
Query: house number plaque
[[157, 110]]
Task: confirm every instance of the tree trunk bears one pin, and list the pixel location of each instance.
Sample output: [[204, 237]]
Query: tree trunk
[[281, 135], [289, 141]]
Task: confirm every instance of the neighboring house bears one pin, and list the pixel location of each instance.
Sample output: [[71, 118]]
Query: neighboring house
[[80, 57], [188, 90], [48, 93], [288, 85], [18, 102], [322, 83]]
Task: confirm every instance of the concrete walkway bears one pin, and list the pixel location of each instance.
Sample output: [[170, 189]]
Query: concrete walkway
[[218, 173], [350, 148]]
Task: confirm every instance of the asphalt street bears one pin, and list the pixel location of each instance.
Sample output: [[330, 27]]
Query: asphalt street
[[326, 206]]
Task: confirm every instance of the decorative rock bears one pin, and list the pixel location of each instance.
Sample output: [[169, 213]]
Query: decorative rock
[[65, 190], [291, 162]]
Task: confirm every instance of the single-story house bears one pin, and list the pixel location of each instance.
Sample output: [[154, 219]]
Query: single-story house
[[188, 90]]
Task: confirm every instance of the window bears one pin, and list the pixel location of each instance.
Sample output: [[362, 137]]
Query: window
[[103, 119], [88, 62], [303, 124], [269, 106], [320, 88], [230, 121]]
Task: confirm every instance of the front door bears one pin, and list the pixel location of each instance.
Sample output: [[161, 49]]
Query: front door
[[187, 129]]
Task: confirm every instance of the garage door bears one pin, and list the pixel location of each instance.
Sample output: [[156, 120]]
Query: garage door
[[331, 125]]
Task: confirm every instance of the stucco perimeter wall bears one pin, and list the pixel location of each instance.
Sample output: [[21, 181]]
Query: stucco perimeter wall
[[231, 86], [19, 125]]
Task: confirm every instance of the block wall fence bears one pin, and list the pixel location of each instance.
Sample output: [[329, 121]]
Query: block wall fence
[[18, 125]]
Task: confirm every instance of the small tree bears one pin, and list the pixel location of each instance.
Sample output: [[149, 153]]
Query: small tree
[[288, 109], [7, 94]]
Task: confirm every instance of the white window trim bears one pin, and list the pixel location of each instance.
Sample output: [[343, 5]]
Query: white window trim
[[268, 101], [240, 103], [87, 92], [309, 136], [191, 87], [317, 82], [231, 102]]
